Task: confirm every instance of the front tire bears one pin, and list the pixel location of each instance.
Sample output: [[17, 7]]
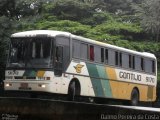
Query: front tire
[[73, 90]]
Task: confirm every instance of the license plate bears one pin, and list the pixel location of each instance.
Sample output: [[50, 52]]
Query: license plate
[[24, 86]]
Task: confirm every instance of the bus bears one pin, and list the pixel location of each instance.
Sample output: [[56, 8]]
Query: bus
[[61, 63]]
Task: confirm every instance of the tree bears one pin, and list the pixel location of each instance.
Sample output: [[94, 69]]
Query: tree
[[12, 13], [69, 9], [16, 9], [5, 31], [149, 13]]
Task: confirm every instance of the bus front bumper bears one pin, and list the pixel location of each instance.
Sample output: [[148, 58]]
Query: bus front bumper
[[28, 86]]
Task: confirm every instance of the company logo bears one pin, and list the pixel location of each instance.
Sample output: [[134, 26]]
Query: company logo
[[78, 68]]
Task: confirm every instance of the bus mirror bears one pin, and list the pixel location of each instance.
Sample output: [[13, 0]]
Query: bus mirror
[[58, 66]]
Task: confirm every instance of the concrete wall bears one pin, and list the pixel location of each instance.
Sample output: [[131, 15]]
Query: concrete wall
[[34, 109]]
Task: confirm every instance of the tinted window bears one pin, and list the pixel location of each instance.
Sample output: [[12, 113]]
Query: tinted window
[[132, 61], [91, 54], [102, 55], [153, 66], [142, 64], [97, 56], [111, 57], [116, 58], [120, 59], [84, 51], [125, 60], [148, 65], [76, 49], [137, 63], [106, 55]]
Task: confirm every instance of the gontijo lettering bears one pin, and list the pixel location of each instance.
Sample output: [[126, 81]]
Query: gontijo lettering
[[130, 76]]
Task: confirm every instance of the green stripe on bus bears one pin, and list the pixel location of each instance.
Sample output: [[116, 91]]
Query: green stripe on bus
[[30, 73], [105, 82], [96, 83]]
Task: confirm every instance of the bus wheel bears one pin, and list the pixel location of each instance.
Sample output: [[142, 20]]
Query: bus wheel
[[73, 90], [134, 97]]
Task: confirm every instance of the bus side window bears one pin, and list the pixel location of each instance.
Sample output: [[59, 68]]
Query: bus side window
[[106, 56], [120, 59], [91, 57], [130, 61], [153, 66], [58, 67], [102, 55], [116, 58], [125, 60], [76, 49], [133, 62], [84, 51], [137, 63], [111, 57], [142, 64]]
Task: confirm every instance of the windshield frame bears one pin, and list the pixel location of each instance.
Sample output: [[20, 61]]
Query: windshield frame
[[26, 57]]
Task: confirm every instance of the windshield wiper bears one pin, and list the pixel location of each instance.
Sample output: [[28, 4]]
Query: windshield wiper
[[17, 65]]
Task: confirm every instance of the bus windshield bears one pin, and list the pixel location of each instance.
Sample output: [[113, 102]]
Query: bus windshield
[[30, 53]]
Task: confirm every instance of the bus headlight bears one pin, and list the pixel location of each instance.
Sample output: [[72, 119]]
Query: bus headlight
[[8, 84], [43, 86]]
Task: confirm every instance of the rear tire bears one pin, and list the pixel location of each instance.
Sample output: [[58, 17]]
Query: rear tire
[[134, 97]]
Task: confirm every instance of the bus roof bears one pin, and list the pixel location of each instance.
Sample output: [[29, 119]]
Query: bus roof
[[116, 48], [34, 33], [52, 33]]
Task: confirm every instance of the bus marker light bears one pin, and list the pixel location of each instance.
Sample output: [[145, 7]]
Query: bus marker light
[[41, 78], [42, 85]]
